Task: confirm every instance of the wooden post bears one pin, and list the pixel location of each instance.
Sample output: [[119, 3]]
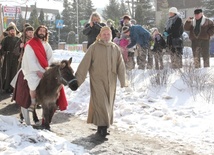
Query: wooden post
[[22, 50]]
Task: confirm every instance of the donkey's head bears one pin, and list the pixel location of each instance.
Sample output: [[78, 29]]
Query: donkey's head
[[67, 74]]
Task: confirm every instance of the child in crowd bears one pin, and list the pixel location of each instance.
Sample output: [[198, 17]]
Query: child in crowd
[[158, 44]]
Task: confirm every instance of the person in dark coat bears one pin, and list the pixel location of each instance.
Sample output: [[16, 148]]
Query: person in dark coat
[[110, 23], [92, 29], [10, 61], [158, 45], [19, 47], [201, 29], [173, 32]]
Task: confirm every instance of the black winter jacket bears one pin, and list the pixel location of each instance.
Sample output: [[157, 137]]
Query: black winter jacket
[[92, 32]]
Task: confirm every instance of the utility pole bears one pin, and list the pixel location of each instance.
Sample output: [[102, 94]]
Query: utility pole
[[77, 36]]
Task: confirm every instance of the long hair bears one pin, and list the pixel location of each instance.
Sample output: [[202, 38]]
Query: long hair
[[37, 30], [95, 14]]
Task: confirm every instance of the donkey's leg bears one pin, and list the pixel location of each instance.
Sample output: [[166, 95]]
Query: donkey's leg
[[52, 111], [46, 115], [35, 117]]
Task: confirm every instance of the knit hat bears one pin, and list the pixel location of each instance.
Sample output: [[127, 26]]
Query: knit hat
[[29, 28], [133, 21], [197, 11], [125, 29], [173, 10]]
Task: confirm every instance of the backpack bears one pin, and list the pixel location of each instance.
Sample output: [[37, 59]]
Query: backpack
[[161, 43]]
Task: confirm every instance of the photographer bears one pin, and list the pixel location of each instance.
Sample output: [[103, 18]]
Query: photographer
[[92, 29], [201, 29]]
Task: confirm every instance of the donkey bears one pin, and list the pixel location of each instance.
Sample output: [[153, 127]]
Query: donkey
[[48, 90]]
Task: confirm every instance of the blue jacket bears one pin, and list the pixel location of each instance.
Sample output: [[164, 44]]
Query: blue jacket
[[139, 35]]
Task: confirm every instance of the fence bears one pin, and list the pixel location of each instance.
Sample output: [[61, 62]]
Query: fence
[[74, 47]]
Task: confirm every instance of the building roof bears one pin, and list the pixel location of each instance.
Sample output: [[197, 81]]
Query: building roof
[[45, 10]]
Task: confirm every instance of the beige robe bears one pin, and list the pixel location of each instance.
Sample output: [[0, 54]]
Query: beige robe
[[105, 63]]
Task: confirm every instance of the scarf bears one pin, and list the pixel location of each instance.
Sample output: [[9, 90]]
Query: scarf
[[171, 21], [40, 53]]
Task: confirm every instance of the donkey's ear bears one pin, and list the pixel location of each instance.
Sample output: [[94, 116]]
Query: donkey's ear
[[70, 60]]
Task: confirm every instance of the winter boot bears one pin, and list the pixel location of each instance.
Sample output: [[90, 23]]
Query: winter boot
[[103, 131], [99, 129]]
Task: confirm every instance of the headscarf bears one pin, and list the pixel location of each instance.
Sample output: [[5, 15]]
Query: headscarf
[[170, 21], [98, 38]]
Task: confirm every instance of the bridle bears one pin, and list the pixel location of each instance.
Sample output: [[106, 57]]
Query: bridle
[[64, 80]]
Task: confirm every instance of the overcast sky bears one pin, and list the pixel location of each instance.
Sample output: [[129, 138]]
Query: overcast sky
[[100, 4]]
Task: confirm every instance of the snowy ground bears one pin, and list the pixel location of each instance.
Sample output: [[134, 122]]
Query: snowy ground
[[172, 110]]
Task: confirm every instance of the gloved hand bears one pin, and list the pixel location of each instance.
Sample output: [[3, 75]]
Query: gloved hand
[[97, 26], [166, 34]]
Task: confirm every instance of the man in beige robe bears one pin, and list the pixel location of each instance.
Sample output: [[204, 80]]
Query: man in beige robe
[[104, 62]]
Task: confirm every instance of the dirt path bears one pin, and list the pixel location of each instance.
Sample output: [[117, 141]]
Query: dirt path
[[117, 143]]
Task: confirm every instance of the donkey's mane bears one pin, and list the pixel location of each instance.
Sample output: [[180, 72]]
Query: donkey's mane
[[54, 64]]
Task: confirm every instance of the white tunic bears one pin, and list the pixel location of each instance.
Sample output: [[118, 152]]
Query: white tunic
[[30, 64]]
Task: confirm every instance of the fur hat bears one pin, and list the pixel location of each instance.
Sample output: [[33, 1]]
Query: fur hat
[[125, 29], [197, 11], [27, 24], [173, 10], [110, 22], [126, 17], [11, 26]]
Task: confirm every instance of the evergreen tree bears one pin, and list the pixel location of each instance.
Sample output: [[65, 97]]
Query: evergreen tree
[[58, 16], [54, 35], [144, 15], [112, 10], [123, 8], [88, 9], [209, 8], [36, 23], [20, 22], [41, 17], [66, 16], [162, 23], [70, 16], [84, 15], [123, 11], [33, 20]]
